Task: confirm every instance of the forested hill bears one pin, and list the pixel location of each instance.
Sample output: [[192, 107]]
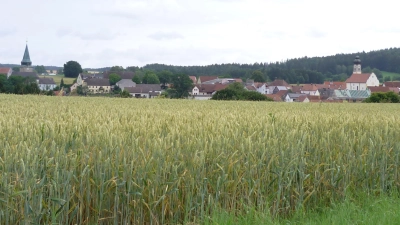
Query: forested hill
[[299, 70]]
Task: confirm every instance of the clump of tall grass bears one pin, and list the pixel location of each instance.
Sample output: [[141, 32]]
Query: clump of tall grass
[[129, 161]]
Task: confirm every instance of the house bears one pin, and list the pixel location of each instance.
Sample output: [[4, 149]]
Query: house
[[292, 97], [31, 75], [278, 88], [275, 83], [310, 89], [73, 87], [207, 89], [360, 81], [203, 79], [334, 85], [6, 71], [82, 77], [251, 88], [274, 97], [395, 84], [379, 89], [326, 93], [314, 98], [125, 83], [144, 90], [260, 87], [46, 84], [194, 79], [296, 89], [96, 86], [51, 72], [303, 98]]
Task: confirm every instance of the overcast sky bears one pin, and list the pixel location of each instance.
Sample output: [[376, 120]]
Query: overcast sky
[[100, 33]]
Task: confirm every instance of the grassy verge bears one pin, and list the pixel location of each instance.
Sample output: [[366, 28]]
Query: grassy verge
[[359, 210], [394, 76], [57, 79]]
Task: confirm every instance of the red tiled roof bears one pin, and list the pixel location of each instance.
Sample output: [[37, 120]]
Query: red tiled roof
[[302, 98], [251, 88], [274, 97], [281, 93], [4, 70], [336, 83], [379, 89], [310, 87], [279, 83], [358, 78], [207, 78], [296, 89], [258, 84], [313, 98], [392, 84], [394, 89], [194, 79]]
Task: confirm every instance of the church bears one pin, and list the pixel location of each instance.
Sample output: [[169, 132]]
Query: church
[[359, 80], [26, 69]]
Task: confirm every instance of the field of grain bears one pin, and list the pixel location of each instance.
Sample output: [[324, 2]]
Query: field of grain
[[73, 160]]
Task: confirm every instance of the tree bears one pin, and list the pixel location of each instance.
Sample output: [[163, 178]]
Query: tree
[[379, 97], [150, 78], [164, 77], [181, 85], [40, 69], [124, 94], [136, 79], [116, 69], [258, 76], [114, 78], [15, 69], [236, 91], [62, 82], [72, 69]]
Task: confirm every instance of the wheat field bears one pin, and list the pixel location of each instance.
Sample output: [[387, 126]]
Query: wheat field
[[76, 160]]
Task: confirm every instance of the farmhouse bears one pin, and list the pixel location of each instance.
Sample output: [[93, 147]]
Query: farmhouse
[[46, 84], [96, 86]]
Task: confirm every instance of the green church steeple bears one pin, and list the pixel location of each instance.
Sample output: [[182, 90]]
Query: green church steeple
[[26, 60]]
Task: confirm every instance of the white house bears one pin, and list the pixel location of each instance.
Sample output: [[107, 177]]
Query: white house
[[46, 84], [310, 89], [261, 88], [144, 90], [360, 81], [292, 97]]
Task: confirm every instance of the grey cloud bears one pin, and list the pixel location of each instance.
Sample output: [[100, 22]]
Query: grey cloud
[[7, 32], [160, 35], [104, 35], [316, 33]]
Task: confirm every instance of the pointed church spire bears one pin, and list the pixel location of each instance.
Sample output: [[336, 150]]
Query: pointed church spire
[[26, 60]]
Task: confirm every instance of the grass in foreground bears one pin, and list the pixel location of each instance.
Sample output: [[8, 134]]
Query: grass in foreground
[[366, 210], [79, 160]]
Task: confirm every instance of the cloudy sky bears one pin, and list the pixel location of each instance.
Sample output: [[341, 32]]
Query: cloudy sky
[[99, 33]]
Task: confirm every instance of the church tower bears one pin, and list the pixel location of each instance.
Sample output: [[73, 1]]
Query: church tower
[[357, 65], [26, 63]]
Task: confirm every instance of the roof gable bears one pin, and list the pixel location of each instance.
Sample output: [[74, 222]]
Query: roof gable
[[358, 78], [97, 82]]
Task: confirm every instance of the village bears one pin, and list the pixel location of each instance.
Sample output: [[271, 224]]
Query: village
[[356, 88]]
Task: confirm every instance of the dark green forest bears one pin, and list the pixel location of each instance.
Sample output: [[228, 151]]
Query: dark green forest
[[299, 70]]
